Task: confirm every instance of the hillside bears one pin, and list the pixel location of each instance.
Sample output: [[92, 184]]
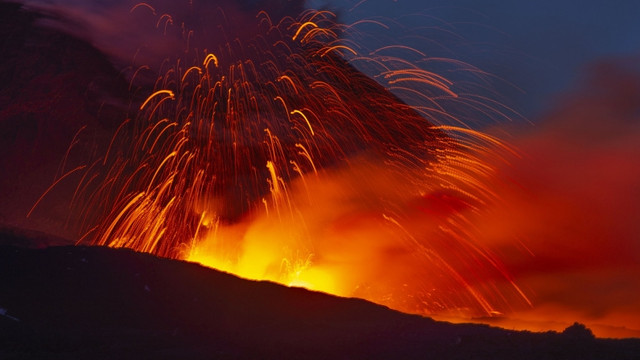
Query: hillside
[[93, 302]]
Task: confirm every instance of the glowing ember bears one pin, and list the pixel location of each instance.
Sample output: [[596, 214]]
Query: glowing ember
[[270, 156]]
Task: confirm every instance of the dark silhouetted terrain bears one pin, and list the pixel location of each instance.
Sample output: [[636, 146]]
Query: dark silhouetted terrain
[[92, 302]]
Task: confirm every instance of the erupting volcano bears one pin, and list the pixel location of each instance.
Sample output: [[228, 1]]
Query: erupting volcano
[[262, 151], [270, 140]]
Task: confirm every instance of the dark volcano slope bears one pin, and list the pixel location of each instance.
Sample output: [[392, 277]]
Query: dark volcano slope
[[52, 87], [93, 302]]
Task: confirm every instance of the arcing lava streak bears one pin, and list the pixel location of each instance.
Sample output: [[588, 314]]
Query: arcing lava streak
[[263, 151]]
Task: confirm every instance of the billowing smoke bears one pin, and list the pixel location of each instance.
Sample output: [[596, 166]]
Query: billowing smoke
[[573, 205]]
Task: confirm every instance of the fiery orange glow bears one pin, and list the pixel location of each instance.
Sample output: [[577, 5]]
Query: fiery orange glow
[[573, 204]]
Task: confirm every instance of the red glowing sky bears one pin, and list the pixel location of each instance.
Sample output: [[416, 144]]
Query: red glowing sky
[[574, 202]]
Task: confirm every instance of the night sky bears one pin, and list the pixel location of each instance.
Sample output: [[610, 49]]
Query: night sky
[[541, 47]]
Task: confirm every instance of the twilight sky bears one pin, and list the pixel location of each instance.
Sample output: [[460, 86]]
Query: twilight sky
[[539, 46]]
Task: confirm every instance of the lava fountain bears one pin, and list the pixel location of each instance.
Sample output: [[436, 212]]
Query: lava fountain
[[262, 150]]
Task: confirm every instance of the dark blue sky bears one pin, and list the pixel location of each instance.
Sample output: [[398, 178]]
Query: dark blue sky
[[542, 47]]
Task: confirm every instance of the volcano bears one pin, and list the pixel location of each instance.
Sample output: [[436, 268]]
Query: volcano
[[259, 149], [292, 167]]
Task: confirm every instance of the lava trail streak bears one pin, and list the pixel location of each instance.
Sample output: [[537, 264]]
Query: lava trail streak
[[262, 150]]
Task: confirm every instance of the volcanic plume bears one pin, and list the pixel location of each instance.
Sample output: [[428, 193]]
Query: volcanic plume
[[257, 147]]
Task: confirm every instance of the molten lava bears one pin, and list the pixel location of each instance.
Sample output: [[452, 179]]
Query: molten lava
[[262, 151]]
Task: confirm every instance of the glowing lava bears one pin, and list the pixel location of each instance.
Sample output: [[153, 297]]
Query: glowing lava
[[270, 156]]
